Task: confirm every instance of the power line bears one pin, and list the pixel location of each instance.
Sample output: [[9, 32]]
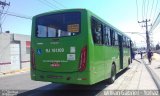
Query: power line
[[151, 9], [147, 9], [137, 9], [16, 15], [138, 13], [51, 4], [47, 3], [155, 11], [4, 16], [143, 9], [156, 22], [2, 4], [59, 3]]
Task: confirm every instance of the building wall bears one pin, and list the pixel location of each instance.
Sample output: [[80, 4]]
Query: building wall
[[5, 52], [4, 47], [6, 39], [25, 56]]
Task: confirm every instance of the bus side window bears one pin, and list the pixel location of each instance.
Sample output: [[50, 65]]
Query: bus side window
[[97, 31], [124, 42], [112, 33], [106, 38], [129, 43], [116, 39]]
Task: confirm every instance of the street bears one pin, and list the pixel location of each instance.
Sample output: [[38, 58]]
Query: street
[[136, 77], [64, 43]]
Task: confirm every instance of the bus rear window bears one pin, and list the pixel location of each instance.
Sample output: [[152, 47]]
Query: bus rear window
[[58, 25]]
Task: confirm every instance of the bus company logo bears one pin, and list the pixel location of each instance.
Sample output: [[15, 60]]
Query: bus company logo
[[55, 65], [39, 51]]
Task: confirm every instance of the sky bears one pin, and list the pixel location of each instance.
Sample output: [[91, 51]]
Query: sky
[[123, 14]]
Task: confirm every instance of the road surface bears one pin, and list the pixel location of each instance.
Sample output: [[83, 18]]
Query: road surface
[[136, 77]]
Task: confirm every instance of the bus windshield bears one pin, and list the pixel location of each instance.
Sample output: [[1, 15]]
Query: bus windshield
[[58, 25]]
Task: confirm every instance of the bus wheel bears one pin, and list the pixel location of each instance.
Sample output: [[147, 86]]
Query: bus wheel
[[113, 74], [129, 61]]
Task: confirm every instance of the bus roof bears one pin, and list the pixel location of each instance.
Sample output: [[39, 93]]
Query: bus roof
[[81, 9]]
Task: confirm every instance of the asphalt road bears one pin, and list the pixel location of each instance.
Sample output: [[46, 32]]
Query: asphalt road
[[136, 77], [27, 87]]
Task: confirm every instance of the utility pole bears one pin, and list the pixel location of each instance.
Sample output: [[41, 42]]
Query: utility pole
[[2, 4], [147, 34]]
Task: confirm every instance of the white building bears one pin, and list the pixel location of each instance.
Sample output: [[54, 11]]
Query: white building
[[14, 52]]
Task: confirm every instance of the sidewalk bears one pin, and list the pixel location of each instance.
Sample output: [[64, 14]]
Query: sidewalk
[[136, 77], [155, 65], [14, 72]]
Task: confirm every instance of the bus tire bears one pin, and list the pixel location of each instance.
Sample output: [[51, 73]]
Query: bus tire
[[129, 61], [113, 74]]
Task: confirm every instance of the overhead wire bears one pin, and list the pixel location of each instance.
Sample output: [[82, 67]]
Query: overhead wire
[[59, 3], [143, 9], [45, 3], [154, 15], [138, 14], [151, 9], [155, 20], [137, 9], [52, 4], [16, 15], [4, 16], [1, 16], [156, 23], [147, 9]]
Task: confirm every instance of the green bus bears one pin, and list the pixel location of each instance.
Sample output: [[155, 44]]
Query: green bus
[[75, 46]]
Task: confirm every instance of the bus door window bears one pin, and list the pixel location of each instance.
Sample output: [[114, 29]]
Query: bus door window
[[106, 38], [96, 31]]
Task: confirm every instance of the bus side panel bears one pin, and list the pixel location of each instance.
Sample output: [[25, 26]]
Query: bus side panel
[[101, 58], [102, 62], [126, 56], [111, 56]]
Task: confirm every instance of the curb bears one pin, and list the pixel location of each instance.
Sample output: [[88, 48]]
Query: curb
[[14, 72], [153, 75]]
